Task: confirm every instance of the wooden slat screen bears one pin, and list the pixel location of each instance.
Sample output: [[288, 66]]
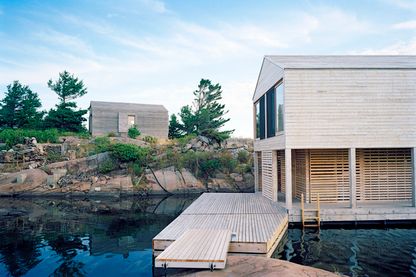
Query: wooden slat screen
[[300, 173], [281, 169], [267, 170], [384, 174], [258, 170], [329, 175]]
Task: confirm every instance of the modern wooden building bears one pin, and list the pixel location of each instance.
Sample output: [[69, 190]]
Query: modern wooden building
[[106, 117], [343, 127]]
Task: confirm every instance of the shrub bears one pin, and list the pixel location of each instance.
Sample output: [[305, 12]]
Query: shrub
[[82, 134], [107, 166], [150, 139], [102, 144], [129, 152], [209, 167], [14, 136], [137, 169], [133, 132], [243, 156], [185, 140], [228, 162], [111, 135], [243, 168]]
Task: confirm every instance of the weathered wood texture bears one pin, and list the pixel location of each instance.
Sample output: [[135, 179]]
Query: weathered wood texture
[[197, 248], [267, 171], [269, 75], [109, 117], [256, 221], [384, 174], [346, 108], [258, 171]]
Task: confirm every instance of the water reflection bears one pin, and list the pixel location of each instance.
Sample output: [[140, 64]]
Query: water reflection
[[79, 237], [353, 252]]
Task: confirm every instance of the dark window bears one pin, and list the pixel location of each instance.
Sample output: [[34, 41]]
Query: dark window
[[271, 113], [280, 108], [260, 118]]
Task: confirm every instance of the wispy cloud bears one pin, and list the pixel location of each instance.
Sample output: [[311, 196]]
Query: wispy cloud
[[398, 48], [405, 25]]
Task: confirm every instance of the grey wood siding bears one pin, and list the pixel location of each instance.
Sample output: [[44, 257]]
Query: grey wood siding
[[269, 75], [342, 108], [109, 117]]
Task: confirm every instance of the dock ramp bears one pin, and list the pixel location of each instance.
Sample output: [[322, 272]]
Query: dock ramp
[[197, 248]]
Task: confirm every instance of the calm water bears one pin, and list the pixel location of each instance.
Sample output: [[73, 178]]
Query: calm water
[[112, 237]]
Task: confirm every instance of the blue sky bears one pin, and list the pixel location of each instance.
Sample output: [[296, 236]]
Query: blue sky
[[151, 51]]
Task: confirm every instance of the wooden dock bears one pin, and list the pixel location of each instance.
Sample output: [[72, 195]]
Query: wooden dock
[[197, 248], [257, 223]]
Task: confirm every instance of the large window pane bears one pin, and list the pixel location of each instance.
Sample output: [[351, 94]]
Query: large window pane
[[262, 117], [280, 107], [257, 105], [271, 113]]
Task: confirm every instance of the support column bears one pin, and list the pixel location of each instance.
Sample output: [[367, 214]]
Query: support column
[[413, 150], [256, 172], [353, 177], [288, 171]]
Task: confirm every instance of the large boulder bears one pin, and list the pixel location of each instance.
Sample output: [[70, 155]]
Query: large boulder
[[24, 181], [174, 181]]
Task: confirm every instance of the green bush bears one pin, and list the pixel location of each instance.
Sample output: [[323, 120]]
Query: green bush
[[111, 134], [150, 139], [243, 168], [137, 169], [185, 140], [82, 134], [209, 167], [133, 132], [129, 153], [102, 144], [14, 136], [228, 163], [243, 156], [107, 166]]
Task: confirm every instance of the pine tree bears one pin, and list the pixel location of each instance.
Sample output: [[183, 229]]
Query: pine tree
[[206, 116], [65, 117], [20, 107], [175, 128]]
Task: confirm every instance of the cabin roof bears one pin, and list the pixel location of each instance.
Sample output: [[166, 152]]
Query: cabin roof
[[344, 61], [273, 66], [126, 106]]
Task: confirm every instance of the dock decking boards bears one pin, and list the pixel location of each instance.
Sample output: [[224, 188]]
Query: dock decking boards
[[256, 222], [197, 248]]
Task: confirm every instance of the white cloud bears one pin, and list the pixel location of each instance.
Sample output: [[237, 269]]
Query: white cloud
[[405, 25], [403, 4], [155, 5], [398, 48]]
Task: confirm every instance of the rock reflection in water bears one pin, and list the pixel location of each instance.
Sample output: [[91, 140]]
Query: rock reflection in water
[[79, 237]]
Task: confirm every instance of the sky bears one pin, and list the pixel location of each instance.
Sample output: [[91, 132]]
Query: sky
[[156, 52]]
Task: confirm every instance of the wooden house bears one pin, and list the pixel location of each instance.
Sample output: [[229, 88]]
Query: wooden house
[[117, 118], [343, 127]]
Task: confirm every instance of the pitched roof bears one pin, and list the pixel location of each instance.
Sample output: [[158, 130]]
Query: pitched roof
[[126, 106], [344, 61]]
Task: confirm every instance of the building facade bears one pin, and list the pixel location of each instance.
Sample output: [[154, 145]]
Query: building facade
[[113, 117], [343, 127]]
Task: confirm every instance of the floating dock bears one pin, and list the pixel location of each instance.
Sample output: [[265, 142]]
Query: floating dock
[[257, 224]]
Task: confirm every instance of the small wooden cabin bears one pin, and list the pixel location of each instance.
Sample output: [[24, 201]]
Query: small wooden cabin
[[117, 118], [340, 126]]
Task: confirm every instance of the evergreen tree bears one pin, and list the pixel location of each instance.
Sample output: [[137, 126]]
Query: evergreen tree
[[65, 116], [206, 116], [20, 107], [175, 128]]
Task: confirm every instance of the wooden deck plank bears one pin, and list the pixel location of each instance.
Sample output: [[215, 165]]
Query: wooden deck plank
[[251, 217]]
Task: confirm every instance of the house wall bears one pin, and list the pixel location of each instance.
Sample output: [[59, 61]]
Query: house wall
[[343, 108], [113, 119]]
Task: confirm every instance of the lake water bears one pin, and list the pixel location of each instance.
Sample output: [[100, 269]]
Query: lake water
[[113, 237]]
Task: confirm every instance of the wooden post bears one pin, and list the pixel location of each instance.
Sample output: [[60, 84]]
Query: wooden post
[[288, 184], [353, 177], [274, 174], [413, 154], [256, 172]]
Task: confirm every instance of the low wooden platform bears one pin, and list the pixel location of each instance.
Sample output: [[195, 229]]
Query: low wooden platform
[[256, 222], [197, 248]]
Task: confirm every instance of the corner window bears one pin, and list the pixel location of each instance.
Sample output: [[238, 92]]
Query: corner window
[[131, 120], [280, 107], [260, 118], [271, 113]]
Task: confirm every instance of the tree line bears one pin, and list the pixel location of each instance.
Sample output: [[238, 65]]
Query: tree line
[[21, 107]]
